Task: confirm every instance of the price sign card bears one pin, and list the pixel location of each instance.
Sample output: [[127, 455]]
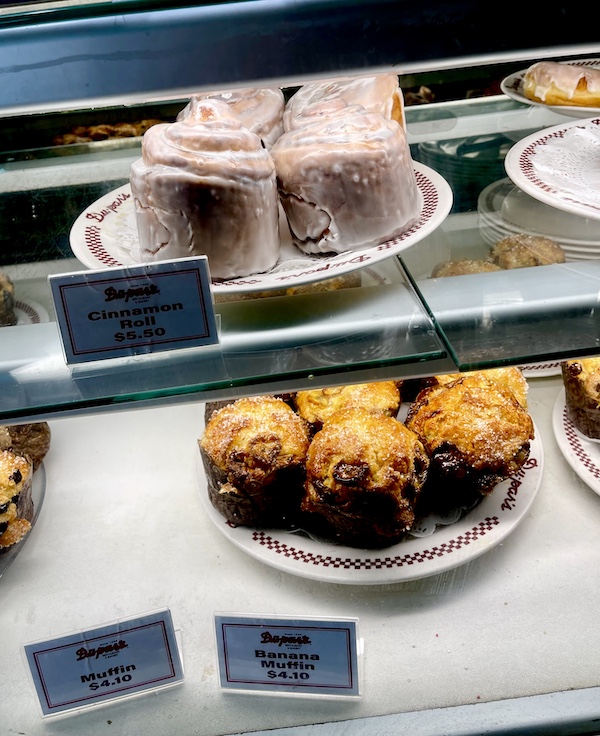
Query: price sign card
[[115, 660], [114, 313], [288, 655]]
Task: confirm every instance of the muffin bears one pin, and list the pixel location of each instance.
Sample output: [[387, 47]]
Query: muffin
[[16, 505], [364, 474], [581, 379], [476, 434], [253, 452], [318, 405], [509, 377]]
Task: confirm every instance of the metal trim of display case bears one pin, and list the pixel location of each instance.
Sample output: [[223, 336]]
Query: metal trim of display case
[[142, 56]]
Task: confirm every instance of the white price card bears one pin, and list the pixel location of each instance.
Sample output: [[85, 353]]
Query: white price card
[[288, 655], [115, 660], [146, 308]]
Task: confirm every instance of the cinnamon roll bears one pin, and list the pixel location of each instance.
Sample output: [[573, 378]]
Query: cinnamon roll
[[379, 93], [260, 110], [346, 181], [206, 185]]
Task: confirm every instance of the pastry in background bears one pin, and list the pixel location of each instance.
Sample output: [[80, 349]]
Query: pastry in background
[[364, 474], [7, 301], [555, 83], [32, 440], [254, 451], [523, 251], [206, 186], [104, 131], [317, 406], [581, 379], [476, 434], [259, 109], [463, 267], [379, 93], [346, 182]]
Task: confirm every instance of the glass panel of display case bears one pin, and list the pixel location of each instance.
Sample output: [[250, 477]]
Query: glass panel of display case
[[373, 329]]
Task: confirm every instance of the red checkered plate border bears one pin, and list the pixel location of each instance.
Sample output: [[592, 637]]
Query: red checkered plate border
[[583, 455], [448, 547], [105, 235]]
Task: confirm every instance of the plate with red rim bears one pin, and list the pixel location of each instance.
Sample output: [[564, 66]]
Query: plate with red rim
[[582, 453], [560, 166], [105, 235], [448, 547], [512, 86]]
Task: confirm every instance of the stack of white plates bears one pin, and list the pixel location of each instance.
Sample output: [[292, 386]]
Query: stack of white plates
[[505, 210]]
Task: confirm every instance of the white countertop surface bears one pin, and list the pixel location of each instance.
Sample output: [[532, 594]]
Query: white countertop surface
[[123, 531]]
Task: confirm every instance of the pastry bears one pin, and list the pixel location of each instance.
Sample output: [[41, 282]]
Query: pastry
[[16, 504], [463, 267], [206, 186], [379, 93], [316, 406], [31, 440], [254, 451], [260, 110], [523, 251], [104, 131], [346, 182], [364, 474], [7, 301], [555, 83], [510, 378], [476, 434], [581, 379]]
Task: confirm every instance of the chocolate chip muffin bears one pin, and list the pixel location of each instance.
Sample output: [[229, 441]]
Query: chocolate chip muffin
[[316, 406], [581, 379], [364, 474], [476, 434], [253, 452]]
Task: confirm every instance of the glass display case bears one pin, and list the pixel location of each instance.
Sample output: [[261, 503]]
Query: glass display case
[[496, 638]]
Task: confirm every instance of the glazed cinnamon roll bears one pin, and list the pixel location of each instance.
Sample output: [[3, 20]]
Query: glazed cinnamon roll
[[260, 110], [346, 181], [206, 185], [379, 93]]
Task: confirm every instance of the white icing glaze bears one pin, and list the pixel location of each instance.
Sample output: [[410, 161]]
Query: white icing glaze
[[260, 110], [379, 93], [206, 185], [565, 77], [346, 181]]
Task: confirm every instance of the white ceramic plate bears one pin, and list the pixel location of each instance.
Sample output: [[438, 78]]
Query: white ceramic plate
[[512, 86], [38, 491], [560, 166], [583, 455], [504, 207], [30, 313], [448, 547], [105, 234]]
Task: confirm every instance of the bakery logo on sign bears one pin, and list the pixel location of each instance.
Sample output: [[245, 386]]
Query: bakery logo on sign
[[137, 294], [291, 642], [107, 650]]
